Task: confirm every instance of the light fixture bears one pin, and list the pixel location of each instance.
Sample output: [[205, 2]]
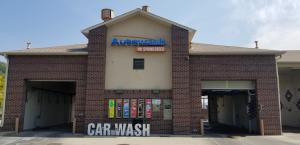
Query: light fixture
[[155, 91], [119, 91]]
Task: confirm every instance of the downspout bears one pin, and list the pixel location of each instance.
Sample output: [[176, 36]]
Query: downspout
[[278, 91], [5, 86]]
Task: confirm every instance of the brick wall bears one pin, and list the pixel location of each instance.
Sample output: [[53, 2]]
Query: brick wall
[[95, 75], [213, 110], [158, 124], [180, 81], [261, 69], [187, 74], [23, 68]]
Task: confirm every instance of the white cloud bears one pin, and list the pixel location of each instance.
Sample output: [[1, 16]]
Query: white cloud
[[275, 23]]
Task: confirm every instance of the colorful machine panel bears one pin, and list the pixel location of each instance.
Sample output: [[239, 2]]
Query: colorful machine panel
[[126, 108], [111, 108], [133, 110], [148, 108], [167, 103], [156, 105], [119, 108], [141, 108]]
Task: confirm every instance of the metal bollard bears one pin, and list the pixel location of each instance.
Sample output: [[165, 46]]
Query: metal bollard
[[74, 126], [202, 127], [17, 125], [262, 128]]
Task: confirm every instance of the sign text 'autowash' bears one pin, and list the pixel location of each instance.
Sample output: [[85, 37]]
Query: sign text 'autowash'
[[120, 129], [138, 42]]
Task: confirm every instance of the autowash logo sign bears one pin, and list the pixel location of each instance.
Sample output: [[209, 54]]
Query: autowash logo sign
[[138, 42], [120, 129]]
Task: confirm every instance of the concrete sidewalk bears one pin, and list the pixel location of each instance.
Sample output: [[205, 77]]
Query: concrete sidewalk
[[57, 138]]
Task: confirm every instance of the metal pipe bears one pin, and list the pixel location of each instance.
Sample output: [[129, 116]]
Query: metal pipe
[[17, 125], [278, 92], [74, 126], [202, 127], [262, 127]]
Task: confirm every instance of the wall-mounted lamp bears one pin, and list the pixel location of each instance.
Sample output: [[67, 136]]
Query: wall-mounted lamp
[[119, 91], [155, 91]]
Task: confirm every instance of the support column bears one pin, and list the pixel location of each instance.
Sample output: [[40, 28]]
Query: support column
[[180, 81], [95, 75]]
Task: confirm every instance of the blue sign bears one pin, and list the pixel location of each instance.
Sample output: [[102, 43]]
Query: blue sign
[[138, 42], [126, 108]]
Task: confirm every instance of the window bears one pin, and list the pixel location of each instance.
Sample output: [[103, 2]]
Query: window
[[204, 102], [138, 63]]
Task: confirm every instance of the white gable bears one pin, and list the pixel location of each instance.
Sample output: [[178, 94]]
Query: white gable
[[139, 11]]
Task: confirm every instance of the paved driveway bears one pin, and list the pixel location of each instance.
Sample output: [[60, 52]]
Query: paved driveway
[[58, 138]]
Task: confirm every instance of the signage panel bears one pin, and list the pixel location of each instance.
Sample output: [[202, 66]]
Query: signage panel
[[141, 108], [111, 108], [126, 108], [156, 105], [120, 129], [167, 103], [151, 49], [148, 108], [119, 108], [133, 110], [138, 42]]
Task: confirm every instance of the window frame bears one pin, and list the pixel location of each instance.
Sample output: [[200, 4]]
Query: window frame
[[138, 66]]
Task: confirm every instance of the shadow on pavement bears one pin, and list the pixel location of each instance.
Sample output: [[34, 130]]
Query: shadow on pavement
[[289, 129]]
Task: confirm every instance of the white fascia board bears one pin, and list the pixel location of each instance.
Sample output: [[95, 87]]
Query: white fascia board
[[136, 11], [44, 53]]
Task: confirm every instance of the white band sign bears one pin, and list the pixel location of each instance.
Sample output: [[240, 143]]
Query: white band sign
[[121, 129], [151, 49]]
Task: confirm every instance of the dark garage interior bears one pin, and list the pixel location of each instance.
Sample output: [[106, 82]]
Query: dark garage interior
[[49, 105], [231, 111]]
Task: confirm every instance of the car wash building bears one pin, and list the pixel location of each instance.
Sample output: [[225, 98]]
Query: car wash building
[[140, 68]]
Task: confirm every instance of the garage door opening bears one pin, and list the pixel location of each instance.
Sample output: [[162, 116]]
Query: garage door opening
[[231, 110], [49, 105], [289, 82]]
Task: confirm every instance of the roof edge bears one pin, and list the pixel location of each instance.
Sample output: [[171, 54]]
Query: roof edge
[[43, 53], [276, 53], [262, 52], [137, 10], [288, 62]]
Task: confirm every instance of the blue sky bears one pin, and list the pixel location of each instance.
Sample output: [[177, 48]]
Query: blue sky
[[274, 23]]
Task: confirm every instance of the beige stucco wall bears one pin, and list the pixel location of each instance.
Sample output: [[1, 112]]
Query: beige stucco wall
[[119, 73]]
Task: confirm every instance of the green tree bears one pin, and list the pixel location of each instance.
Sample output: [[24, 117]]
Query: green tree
[[2, 67], [2, 80]]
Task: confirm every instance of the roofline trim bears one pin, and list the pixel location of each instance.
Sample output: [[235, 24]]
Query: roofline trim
[[288, 62], [237, 53], [43, 53], [137, 10]]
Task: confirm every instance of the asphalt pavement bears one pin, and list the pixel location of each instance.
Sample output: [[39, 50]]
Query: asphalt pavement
[[61, 138]]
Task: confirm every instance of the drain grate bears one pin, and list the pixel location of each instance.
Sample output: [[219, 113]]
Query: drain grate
[[54, 144]]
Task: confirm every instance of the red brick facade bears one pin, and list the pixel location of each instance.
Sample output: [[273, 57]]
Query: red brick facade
[[95, 76], [261, 69], [180, 81], [158, 124], [187, 73], [22, 68]]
